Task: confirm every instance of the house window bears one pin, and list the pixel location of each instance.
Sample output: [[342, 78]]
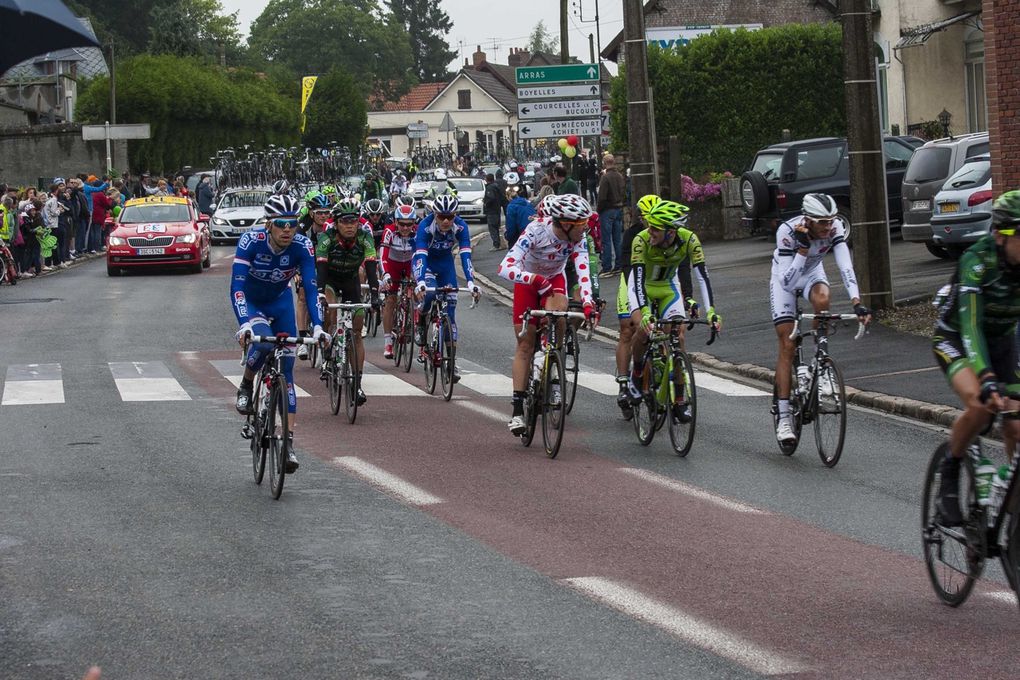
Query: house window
[[463, 99], [974, 74], [882, 79]]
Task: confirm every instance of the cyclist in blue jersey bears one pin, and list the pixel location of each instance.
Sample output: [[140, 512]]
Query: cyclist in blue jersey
[[432, 263], [265, 262]]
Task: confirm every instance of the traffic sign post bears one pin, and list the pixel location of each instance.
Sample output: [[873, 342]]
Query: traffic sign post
[[540, 129], [108, 132], [560, 109], [557, 73], [558, 92], [417, 130], [558, 101]]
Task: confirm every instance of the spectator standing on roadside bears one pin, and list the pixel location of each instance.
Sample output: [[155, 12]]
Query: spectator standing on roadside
[[92, 187], [519, 212], [82, 216], [26, 198], [31, 227], [204, 195], [492, 206], [593, 178], [52, 210], [562, 183], [611, 196], [101, 204], [581, 173]]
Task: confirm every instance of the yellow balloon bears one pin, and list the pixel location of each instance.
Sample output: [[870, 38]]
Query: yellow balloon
[[570, 151], [562, 144]]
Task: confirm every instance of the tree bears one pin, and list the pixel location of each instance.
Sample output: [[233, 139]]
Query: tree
[[336, 112], [315, 36], [126, 22], [191, 27], [541, 40], [427, 25]]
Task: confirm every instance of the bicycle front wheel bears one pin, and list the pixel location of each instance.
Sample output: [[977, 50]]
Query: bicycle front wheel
[[407, 335], [571, 366], [431, 349], [352, 377], [954, 556], [829, 397], [554, 415], [645, 412], [334, 383], [683, 416], [795, 418], [276, 429], [257, 441], [532, 402], [448, 357], [399, 339]]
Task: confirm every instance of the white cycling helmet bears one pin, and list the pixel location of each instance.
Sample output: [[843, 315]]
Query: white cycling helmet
[[819, 206], [445, 204], [282, 206], [281, 186], [567, 207], [440, 173], [511, 178]]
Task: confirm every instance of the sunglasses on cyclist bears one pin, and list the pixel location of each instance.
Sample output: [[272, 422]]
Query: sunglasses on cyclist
[[824, 221], [321, 213], [284, 223], [348, 218], [405, 224], [445, 216], [568, 225]]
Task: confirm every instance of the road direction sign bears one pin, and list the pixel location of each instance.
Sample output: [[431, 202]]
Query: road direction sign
[[545, 129], [557, 73], [123, 131], [558, 91], [417, 130], [579, 108]]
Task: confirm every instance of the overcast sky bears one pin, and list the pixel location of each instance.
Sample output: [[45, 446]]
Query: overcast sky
[[490, 22]]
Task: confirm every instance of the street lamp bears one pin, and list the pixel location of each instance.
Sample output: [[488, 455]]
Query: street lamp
[[944, 119]]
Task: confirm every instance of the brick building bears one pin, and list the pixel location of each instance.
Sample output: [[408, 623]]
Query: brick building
[[1002, 49]]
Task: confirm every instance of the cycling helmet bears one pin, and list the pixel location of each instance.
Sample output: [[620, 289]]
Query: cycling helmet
[[440, 174], [318, 202], [281, 186], [329, 189], [568, 207], [819, 206], [404, 212], [445, 204], [667, 215], [347, 207], [312, 194], [374, 207], [405, 200], [281, 206], [647, 202], [512, 178], [542, 209], [1006, 213]]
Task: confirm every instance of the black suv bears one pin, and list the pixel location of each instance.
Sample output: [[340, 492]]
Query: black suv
[[774, 186]]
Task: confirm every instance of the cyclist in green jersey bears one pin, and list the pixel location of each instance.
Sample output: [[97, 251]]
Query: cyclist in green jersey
[[975, 341], [311, 222], [338, 257], [655, 255]]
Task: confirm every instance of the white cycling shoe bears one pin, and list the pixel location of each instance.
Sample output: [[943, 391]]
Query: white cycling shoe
[[517, 426], [784, 432]]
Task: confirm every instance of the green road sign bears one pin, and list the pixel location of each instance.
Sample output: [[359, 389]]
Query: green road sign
[[558, 73]]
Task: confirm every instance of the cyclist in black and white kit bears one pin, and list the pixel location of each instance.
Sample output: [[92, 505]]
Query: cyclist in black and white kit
[[801, 245]]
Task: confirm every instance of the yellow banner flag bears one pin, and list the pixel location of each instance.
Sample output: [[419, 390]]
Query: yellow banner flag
[[307, 85]]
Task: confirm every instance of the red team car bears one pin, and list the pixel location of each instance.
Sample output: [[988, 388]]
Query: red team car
[[158, 231]]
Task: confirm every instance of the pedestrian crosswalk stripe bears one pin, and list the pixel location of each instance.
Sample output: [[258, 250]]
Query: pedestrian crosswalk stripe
[[233, 371], [146, 381], [33, 384], [385, 385], [725, 387]]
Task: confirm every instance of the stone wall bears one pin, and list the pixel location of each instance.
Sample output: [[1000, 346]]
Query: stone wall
[[45, 151], [719, 219], [1002, 63]]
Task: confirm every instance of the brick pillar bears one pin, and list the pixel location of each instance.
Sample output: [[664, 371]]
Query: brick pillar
[[1001, 20]]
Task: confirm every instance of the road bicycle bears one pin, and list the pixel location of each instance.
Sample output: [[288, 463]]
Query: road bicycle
[[403, 325], [373, 318], [955, 555], [546, 385], [668, 390], [266, 427], [340, 365], [439, 353], [817, 391], [572, 347]]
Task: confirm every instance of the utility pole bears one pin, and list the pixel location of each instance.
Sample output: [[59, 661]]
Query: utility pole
[[869, 205], [564, 35], [113, 86], [639, 137]]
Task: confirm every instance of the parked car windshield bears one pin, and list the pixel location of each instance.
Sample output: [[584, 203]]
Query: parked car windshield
[[144, 214], [244, 199], [975, 173], [928, 164], [467, 184], [768, 164], [818, 162]]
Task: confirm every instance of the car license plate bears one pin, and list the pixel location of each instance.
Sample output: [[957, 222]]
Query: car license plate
[[240, 230], [949, 208], [921, 205], [151, 251]]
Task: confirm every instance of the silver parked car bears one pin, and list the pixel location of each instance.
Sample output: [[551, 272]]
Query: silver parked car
[[470, 191], [962, 210], [237, 211]]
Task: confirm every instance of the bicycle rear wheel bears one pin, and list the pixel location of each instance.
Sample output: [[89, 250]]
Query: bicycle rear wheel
[[399, 339], [407, 333], [258, 444], [681, 434], [571, 365], [830, 412], [352, 377], [644, 409], [788, 449], [954, 556], [334, 383], [554, 414], [448, 357], [532, 403], [276, 428], [431, 348]]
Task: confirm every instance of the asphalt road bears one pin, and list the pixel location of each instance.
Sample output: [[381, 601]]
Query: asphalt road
[[424, 541]]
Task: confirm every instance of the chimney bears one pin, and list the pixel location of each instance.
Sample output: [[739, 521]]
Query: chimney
[[478, 57], [518, 56]]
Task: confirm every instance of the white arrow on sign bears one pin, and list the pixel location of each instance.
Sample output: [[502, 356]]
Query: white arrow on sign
[[543, 129], [558, 91], [560, 109]]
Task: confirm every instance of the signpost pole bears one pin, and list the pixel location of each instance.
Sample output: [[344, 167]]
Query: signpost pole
[[109, 158]]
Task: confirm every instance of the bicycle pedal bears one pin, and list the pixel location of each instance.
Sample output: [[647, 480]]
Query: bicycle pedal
[[246, 431]]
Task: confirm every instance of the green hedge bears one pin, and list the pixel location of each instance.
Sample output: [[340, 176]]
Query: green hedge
[[728, 94], [194, 109]]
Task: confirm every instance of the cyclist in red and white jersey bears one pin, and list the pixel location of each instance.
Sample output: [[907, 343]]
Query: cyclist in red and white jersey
[[396, 251]]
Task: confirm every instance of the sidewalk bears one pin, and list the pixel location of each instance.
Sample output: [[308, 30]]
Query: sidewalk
[[887, 369], [71, 264]]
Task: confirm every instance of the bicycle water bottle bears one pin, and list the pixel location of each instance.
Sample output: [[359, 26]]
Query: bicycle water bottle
[[984, 473], [536, 365], [998, 492], [803, 378]]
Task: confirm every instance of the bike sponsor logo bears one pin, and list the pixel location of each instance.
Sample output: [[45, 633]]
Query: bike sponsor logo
[[285, 260], [947, 349], [263, 258], [241, 303]]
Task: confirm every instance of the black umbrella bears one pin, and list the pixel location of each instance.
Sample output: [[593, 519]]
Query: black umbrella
[[34, 27]]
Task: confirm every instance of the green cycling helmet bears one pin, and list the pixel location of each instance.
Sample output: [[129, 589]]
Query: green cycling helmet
[[312, 194], [667, 215], [329, 189], [647, 203], [1006, 213]]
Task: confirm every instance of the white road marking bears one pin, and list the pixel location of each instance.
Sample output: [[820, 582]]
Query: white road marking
[[1003, 596], [692, 491], [483, 410], [146, 381], [725, 386], [603, 383], [235, 380], [386, 481], [686, 627], [33, 384], [489, 384], [386, 385]]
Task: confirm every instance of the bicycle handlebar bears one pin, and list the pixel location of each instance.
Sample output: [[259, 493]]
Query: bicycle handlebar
[[349, 305], [713, 328], [278, 340], [826, 316], [549, 313]]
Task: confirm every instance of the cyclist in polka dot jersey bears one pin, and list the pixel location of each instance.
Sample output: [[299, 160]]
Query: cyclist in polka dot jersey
[[536, 266]]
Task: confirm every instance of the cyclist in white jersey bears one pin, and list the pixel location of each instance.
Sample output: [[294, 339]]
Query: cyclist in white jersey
[[801, 245]]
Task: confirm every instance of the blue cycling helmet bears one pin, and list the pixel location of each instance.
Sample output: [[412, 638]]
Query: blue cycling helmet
[[445, 204], [319, 202]]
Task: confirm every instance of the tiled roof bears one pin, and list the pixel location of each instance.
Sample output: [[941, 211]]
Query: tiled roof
[[416, 100], [90, 60], [494, 88]]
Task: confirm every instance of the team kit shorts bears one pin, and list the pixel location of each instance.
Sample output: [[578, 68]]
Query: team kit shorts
[[784, 303], [526, 297], [666, 297]]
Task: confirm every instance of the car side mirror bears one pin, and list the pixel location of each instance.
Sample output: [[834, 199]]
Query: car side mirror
[[203, 217]]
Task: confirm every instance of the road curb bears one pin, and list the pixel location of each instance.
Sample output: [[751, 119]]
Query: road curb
[[923, 411], [71, 264]]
